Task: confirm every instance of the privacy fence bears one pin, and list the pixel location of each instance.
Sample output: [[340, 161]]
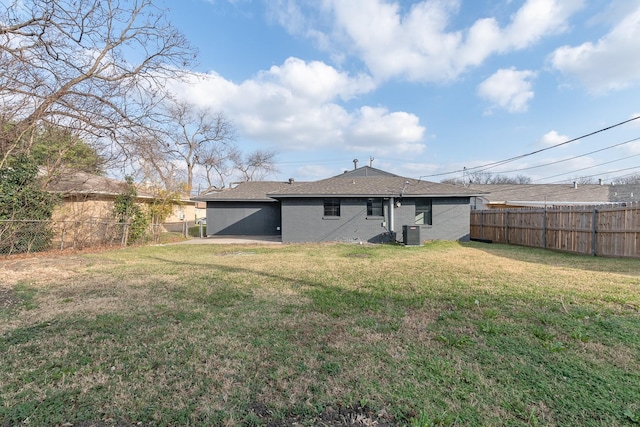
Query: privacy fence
[[36, 236], [611, 231]]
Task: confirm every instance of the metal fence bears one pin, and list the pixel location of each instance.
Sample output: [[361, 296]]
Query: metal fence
[[612, 231], [26, 236]]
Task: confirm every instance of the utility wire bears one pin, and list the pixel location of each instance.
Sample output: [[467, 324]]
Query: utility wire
[[511, 159], [575, 157], [609, 172], [591, 167]]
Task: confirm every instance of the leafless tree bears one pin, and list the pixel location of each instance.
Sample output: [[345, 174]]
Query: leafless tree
[[256, 165], [95, 67], [488, 178], [218, 164], [584, 180], [187, 137], [629, 179]]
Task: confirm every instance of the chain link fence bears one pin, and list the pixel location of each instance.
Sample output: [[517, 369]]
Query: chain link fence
[[37, 236]]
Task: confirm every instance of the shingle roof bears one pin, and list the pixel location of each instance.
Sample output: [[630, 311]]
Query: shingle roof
[[83, 183], [78, 183], [370, 182], [557, 194], [362, 182], [251, 191]]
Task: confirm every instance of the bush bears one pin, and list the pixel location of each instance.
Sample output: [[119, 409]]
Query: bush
[[25, 208], [127, 211]]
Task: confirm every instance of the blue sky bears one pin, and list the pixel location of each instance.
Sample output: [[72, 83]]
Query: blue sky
[[424, 87]]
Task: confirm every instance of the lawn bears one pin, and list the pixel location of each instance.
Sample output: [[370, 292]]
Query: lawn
[[444, 334]]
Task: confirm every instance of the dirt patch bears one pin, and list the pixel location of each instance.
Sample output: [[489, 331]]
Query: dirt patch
[[42, 269], [357, 416], [7, 298]]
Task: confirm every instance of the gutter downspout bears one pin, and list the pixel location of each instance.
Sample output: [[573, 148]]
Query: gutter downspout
[[391, 216]]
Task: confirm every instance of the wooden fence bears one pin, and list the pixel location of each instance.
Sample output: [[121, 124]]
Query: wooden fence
[[611, 231]]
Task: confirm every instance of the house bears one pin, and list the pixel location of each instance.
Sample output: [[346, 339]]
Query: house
[[504, 196], [362, 205], [90, 197], [244, 209]]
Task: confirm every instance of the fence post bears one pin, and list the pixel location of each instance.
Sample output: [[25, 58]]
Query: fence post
[[544, 228], [64, 229], [506, 227], [90, 231], [482, 224], [594, 232], [125, 234]]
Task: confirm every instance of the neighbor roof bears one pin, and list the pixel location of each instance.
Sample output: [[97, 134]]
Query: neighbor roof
[[371, 182], [557, 194]]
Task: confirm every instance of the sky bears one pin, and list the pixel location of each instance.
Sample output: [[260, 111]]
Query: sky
[[423, 89]]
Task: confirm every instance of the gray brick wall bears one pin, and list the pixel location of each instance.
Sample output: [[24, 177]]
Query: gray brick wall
[[303, 221], [451, 218]]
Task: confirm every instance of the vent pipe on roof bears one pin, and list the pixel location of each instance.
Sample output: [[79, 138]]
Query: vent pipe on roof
[[575, 184], [355, 163], [291, 180], [600, 182]]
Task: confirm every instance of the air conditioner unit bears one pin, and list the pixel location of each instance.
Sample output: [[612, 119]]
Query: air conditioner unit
[[411, 235]]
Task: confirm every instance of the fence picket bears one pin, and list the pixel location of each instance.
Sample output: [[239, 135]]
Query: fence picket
[[594, 230]]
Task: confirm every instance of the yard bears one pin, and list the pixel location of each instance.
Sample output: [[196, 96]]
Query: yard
[[444, 334]]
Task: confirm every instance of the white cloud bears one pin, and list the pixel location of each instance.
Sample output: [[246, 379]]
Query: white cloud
[[553, 138], [611, 63], [417, 44], [382, 132], [295, 106], [509, 89]]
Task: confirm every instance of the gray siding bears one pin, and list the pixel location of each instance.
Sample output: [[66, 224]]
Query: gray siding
[[451, 217], [243, 218], [303, 221]]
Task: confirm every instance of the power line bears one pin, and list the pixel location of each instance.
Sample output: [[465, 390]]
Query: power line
[[521, 156], [609, 172], [575, 157], [591, 167]]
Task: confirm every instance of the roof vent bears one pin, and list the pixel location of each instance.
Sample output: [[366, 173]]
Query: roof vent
[[355, 163], [575, 184], [291, 180]]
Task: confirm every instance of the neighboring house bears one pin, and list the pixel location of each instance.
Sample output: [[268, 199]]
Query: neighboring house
[[362, 205], [503, 196], [89, 197]]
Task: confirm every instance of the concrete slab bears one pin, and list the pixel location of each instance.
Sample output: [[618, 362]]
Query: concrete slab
[[238, 240]]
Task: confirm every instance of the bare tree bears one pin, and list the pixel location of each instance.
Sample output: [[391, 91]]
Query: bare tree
[[629, 179], [218, 163], [188, 137], [488, 178], [584, 180], [256, 165], [92, 66]]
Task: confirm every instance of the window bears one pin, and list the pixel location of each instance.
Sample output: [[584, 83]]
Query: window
[[374, 207], [424, 212], [331, 207]]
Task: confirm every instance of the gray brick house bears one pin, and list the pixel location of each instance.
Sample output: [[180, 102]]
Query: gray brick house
[[362, 205]]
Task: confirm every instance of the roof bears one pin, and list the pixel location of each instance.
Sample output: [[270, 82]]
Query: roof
[[250, 191], [77, 182], [557, 194], [371, 182]]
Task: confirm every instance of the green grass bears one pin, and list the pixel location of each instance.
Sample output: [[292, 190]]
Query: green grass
[[445, 334]]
